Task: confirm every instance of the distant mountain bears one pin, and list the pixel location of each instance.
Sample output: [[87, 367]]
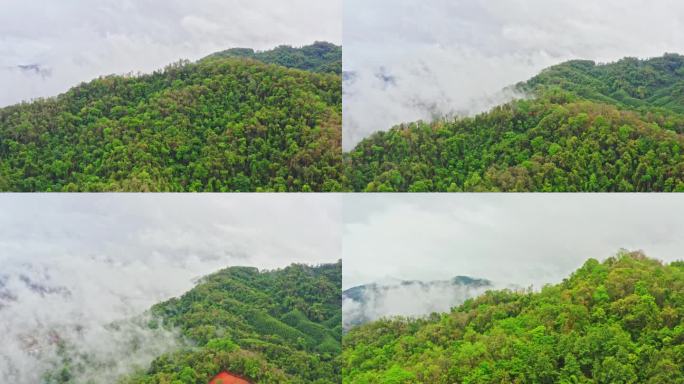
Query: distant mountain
[[370, 302], [35, 69], [8, 295], [619, 321], [222, 124], [280, 326], [320, 56], [604, 128]]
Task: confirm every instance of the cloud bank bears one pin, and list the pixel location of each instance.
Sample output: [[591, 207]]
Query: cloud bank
[[64, 43], [408, 60], [79, 270]]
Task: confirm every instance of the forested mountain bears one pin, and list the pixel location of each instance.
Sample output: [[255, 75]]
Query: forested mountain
[[613, 127], [281, 326], [365, 303], [221, 124], [317, 57], [645, 85], [620, 321]]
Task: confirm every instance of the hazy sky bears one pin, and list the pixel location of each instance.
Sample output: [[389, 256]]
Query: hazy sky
[[521, 239], [77, 40], [413, 59], [78, 262]]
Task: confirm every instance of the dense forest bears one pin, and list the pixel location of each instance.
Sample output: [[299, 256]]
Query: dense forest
[[619, 321], [281, 326], [317, 57], [221, 124], [586, 127], [651, 85]]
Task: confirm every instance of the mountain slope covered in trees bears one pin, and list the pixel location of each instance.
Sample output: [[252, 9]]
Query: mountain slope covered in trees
[[613, 127], [221, 124], [317, 57], [619, 321], [651, 85], [281, 326]]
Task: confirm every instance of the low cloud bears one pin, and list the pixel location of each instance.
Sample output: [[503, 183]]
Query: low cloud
[[436, 83], [408, 298], [455, 57], [79, 272]]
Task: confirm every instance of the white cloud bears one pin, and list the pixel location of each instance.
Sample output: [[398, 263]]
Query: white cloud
[[455, 56], [78, 40], [74, 264], [518, 239]]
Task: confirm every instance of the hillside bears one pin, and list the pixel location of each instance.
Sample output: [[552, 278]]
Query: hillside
[[646, 85], [578, 133], [221, 124], [318, 57], [369, 302], [281, 326], [619, 321]]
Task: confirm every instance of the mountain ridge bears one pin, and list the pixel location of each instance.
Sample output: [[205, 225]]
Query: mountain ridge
[[270, 326], [558, 141], [320, 56], [225, 124], [616, 321]]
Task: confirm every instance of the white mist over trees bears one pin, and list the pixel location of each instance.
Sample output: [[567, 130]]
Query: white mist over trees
[[408, 60], [79, 272], [407, 298]]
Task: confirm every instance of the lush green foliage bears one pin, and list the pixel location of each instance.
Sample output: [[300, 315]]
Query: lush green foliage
[[615, 127], [281, 326], [317, 57], [620, 321], [653, 85], [222, 124]]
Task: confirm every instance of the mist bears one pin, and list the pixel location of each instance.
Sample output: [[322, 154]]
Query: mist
[[406, 299], [47, 46], [80, 271], [407, 60]]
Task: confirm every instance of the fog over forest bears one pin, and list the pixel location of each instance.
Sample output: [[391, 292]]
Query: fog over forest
[[79, 272]]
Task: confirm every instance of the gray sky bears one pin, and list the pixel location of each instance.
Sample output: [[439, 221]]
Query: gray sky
[[92, 259], [454, 56], [521, 239], [78, 40]]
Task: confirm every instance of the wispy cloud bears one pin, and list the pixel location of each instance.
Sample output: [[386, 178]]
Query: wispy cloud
[[72, 265]]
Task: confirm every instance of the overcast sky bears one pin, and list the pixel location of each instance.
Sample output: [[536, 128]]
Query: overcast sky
[[77, 40], [82, 261], [521, 239], [414, 59]]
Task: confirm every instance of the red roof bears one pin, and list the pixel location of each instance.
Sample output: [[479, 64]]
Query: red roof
[[227, 378]]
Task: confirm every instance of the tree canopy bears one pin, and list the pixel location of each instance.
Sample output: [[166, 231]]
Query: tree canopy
[[651, 85], [612, 127], [280, 326], [317, 57], [619, 321], [221, 124]]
